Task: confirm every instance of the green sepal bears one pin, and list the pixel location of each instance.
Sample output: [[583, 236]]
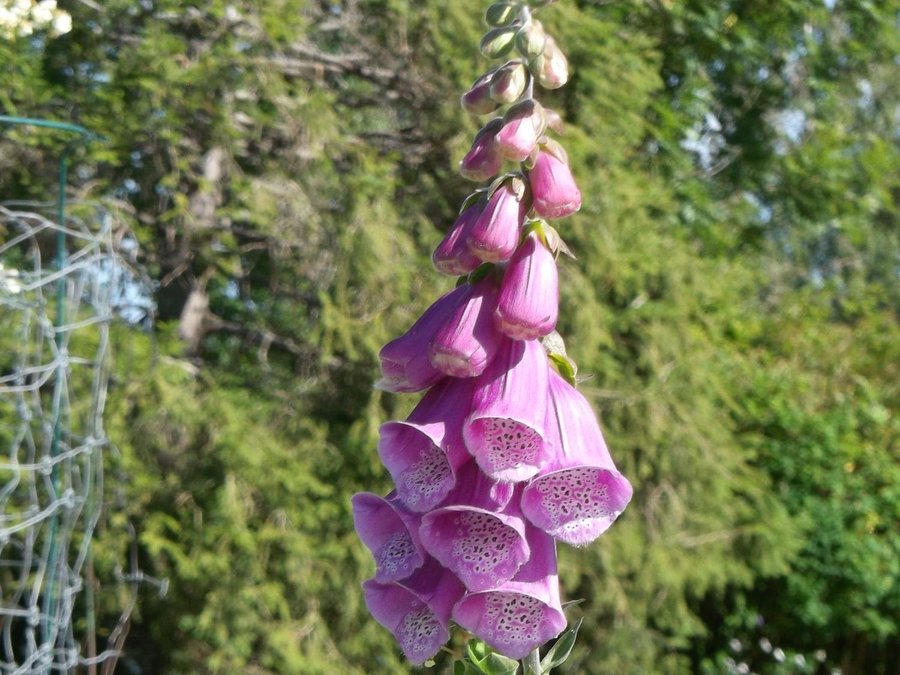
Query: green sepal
[[561, 649], [500, 14], [565, 367], [471, 199], [498, 42], [485, 661], [555, 243], [554, 121], [537, 226], [478, 273], [516, 181]]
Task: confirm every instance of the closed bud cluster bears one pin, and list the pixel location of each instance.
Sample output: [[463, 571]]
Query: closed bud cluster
[[502, 457]]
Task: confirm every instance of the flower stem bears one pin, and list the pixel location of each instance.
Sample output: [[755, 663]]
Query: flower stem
[[531, 664], [525, 17]]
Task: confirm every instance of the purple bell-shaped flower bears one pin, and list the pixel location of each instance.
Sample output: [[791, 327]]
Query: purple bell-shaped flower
[[390, 532], [505, 432], [528, 304], [479, 534], [424, 453], [405, 366], [579, 493], [416, 610], [521, 614], [467, 340]]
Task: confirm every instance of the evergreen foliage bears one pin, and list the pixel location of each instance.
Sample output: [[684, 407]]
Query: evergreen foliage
[[290, 164]]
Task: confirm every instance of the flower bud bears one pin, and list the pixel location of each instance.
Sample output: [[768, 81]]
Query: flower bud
[[498, 42], [483, 161], [523, 124], [405, 366], [551, 69], [528, 305], [452, 255], [467, 341], [553, 188], [500, 14], [495, 234], [509, 82], [478, 99], [531, 39]]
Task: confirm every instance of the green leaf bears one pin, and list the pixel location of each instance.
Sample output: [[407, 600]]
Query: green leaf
[[486, 661], [561, 649]]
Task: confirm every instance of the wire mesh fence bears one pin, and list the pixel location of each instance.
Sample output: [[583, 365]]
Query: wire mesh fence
[[55, 316]]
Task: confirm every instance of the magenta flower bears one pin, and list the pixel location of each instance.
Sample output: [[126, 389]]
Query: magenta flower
[[483, 161], [509, 81], [477, 536], [505, 432], [424, 453], [478, 99], [580, 493], [391, 533], [468, 339], [416, 610], [523, 124], [528, 304], [452, 255], [495, 233], [405, 366], [553, 188], [522, 614]]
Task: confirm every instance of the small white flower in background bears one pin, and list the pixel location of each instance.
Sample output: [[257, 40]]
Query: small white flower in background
[[62, 23], [21, 18], [778, 654], [735, 645], [42, 13], [9, 281], [820, 655], [765, 645], [21, 8]]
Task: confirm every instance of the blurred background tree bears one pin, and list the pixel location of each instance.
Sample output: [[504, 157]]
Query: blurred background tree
[[288, 166]]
